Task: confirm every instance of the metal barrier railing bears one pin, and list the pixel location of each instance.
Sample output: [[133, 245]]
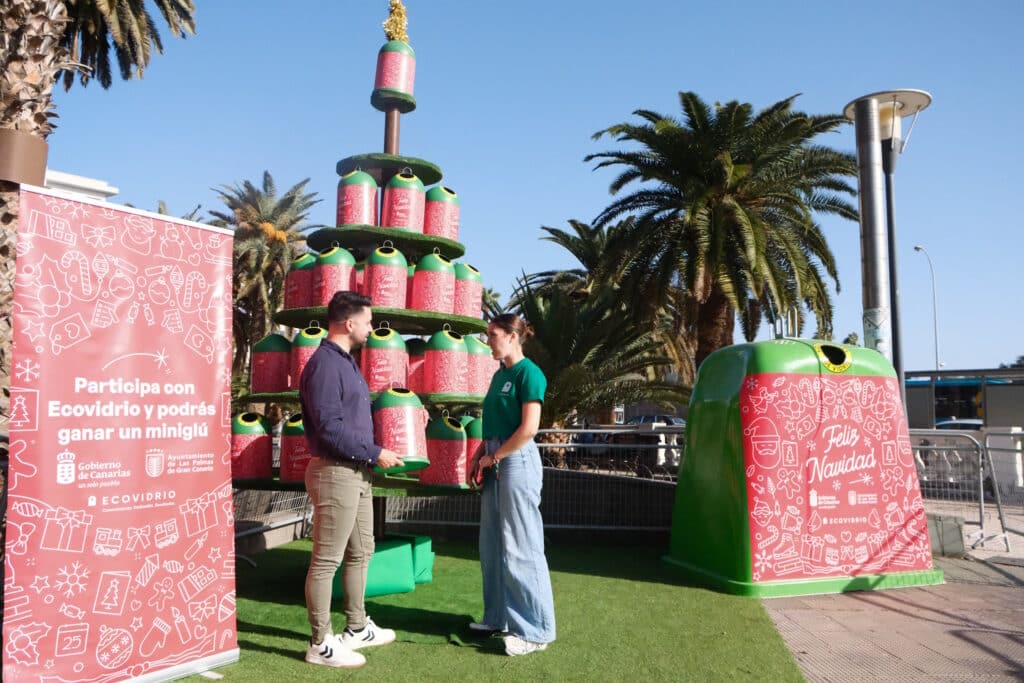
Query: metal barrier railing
[[640, 451], [1006, 448], [956, 475]]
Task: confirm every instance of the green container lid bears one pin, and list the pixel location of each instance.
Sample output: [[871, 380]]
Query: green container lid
[[435, 263], [446, 429], [385, 338], [415, 346], [397, 46], [358, 177], [397, 398], [406, 181], [273, 342], [388, 256], [310, 336], [440, 193], [475, 428], [293, 426], [446, 340], [250, 423], [304, 262], [464, 271], [336, 256], [475, 346]]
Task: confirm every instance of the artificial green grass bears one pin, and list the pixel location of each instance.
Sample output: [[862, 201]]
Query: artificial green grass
[[621, 614]]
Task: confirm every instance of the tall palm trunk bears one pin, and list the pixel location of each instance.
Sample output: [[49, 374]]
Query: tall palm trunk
[[30, 58], [715, 324]]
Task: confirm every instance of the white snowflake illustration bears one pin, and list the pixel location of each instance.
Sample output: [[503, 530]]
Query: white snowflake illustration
[[867, 441], [763, 562], [865, 479], [751, 384], [27, 370], [98, 236], [76, 210], [72, 579], [810, 446], [836, 485]]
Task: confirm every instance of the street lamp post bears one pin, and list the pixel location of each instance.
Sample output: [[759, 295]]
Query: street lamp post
[[935, 304], [878, 119]]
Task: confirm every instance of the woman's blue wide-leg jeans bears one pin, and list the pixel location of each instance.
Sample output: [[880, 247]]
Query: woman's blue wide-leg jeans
[[517, 586]]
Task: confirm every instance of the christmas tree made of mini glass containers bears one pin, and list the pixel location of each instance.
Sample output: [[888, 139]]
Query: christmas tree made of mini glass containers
[[395, 242]]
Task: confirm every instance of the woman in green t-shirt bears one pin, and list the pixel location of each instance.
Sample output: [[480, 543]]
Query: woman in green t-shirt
[[517, 586]]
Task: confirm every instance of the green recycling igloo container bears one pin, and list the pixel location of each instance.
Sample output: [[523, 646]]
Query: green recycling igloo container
[[799, 477]]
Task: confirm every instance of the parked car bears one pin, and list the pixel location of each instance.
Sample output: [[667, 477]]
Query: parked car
[[664, 420], [653, 430], [966, 424]]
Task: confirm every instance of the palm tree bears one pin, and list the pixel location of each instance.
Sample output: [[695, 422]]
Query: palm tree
[[491, 304], [592, 356], [39, 41], [268, 228], [724, 211]]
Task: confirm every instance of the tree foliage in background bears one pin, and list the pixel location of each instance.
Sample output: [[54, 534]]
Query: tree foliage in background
[[268, 228], [593, 359], [723, 212]]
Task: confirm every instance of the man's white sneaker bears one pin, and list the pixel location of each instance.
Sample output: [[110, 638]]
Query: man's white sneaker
[[515, 646], [370, 636], [332, 652], [484, 629]]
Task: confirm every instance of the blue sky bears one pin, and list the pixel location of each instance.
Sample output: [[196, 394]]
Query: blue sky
[[509, 95]]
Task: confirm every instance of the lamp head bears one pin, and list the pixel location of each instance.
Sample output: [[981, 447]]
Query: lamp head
[[918, 247], [893, 105]]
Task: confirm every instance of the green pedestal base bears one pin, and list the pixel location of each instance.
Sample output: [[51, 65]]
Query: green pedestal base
[[399, 562], [780, 589]]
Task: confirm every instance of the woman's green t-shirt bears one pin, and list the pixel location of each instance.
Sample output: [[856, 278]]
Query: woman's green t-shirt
[[510, 389]]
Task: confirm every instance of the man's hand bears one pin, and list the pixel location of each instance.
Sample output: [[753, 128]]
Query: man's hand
[[388, 459]]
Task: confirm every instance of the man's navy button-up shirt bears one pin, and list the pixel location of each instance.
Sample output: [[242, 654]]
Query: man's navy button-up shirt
[[335, 402]]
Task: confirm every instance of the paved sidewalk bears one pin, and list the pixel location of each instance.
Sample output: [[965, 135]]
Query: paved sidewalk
[[972, 627]]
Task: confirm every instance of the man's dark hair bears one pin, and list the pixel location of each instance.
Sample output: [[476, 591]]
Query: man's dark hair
[[344, 305]]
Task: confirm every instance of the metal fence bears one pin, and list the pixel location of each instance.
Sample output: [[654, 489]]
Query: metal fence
[[957, 477], [624, 478]]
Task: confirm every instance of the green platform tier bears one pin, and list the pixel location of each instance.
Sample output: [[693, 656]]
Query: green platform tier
[[404, 320], [799, 476], [365, 238], [382, 166]]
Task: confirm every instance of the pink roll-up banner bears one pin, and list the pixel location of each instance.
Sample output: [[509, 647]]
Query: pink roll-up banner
[[120, 530]]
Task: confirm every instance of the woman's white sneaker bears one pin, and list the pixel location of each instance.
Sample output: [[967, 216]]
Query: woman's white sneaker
[[515, 646], [370, 636], [332, 652]]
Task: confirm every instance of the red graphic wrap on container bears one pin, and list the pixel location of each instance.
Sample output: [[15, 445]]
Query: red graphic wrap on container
[[433, 290], [357, 199], [396, 67], [446, 447], [414, 375], [334, 272], [445, 364], [298, 285], [303, 346], [271, 358], [295, 453], [384, 360], [360, 277], [832, 487], [403, 203], [478, 374], [401, 429], [474, 437], [441, 214], [251, 447], [387, 275], [469, 296]]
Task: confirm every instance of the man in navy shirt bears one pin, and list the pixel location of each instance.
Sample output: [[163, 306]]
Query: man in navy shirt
[[339, 430]]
